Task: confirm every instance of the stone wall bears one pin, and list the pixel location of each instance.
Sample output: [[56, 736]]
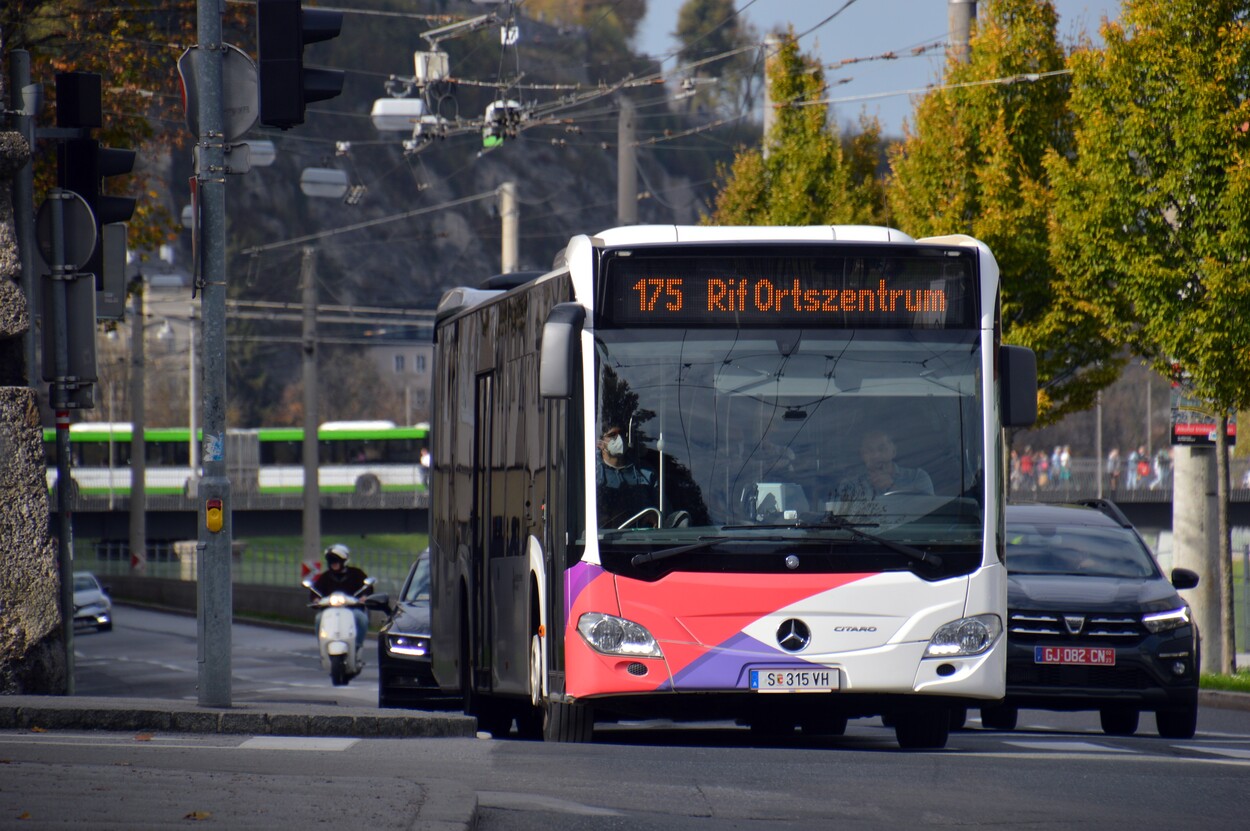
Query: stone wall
[[32, 647]]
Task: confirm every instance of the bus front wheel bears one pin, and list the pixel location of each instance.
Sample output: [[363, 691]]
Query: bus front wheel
[[565, 722]]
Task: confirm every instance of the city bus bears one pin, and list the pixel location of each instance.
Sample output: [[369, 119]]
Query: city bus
[[755, 573], [362, 457]]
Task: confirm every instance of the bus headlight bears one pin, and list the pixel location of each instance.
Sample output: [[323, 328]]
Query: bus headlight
[[617, 636], [966, 636]]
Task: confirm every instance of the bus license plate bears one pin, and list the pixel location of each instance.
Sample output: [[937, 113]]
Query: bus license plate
[[794, 680], [1099, 656]]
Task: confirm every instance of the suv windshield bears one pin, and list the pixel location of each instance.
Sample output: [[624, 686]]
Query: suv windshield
[[1036, 548], [418, 587]]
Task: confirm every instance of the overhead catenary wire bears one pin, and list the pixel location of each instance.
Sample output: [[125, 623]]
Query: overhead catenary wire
[[369, 223], [1025, 77]]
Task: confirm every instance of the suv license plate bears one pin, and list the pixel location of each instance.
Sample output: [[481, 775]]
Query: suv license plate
[[1099, 656], [795, 680]]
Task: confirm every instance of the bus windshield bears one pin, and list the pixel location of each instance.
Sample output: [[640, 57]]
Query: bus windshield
[[700, 429]]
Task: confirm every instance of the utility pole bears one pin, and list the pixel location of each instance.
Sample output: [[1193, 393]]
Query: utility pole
[[214, 592], [772, 45], [960, 14], [510, 214], [626, 166], [21, 90], [312, 483], [1098, 462], [138, 418], [1195, 544]]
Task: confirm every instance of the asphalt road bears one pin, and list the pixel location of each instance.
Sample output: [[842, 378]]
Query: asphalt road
[[150, 654], [1058, 771]]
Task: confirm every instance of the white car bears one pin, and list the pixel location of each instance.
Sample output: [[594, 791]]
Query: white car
[[92, 606]]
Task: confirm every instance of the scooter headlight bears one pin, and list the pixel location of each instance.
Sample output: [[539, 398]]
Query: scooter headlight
[[339, 600]]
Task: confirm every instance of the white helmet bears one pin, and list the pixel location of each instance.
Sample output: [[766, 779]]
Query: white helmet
[[339, 552]]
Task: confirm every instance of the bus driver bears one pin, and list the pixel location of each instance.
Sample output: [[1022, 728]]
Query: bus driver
[[880, 475], [624, 487]]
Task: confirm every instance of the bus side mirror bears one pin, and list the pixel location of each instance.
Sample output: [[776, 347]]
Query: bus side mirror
[[1018, 376], [560, 357]]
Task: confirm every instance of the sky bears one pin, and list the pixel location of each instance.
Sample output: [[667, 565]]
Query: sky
[[864, 29]]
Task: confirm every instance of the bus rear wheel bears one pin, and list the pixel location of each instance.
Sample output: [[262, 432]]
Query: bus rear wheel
[[368, 486]]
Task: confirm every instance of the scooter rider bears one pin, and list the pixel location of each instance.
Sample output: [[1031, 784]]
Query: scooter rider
[[340, 577]]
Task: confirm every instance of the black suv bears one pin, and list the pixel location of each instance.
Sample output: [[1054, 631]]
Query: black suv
[[1093, 624], [405, 678]]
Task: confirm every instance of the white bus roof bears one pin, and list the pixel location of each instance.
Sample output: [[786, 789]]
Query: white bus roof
[[644, 234]]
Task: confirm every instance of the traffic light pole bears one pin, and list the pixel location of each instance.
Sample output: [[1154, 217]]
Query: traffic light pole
[[59, 396], [214, 590]]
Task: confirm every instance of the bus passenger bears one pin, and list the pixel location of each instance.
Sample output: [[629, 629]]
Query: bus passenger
[[881, 475], [624, 487]]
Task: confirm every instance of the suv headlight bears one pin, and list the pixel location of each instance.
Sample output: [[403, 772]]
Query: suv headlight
[[966, 636], [617, 636], [1166, 621], [410, 645]]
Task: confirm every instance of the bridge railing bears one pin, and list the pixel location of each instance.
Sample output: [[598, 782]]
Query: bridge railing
[[245, 501], [254, 565]]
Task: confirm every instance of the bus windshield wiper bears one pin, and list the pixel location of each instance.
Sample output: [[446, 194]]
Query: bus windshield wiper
[[703, 542], [855, 529], [841, 523]]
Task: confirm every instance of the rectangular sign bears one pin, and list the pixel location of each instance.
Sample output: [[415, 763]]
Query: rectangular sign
[[1103, 656], [852, 287]]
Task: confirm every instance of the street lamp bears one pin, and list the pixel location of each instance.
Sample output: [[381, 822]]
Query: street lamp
[[326, 182]]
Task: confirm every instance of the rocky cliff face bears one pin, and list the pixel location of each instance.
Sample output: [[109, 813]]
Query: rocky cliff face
[[32, 650]]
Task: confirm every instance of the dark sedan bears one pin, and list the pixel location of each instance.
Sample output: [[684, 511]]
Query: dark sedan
[[404, 675], [1093, 623]]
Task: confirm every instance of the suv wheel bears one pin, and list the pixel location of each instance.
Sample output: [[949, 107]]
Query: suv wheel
[[1001, 717], [1119, 722], [1179, 723]]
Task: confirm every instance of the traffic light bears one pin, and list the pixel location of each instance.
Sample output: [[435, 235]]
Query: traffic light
[[283, 29], [82, 164]]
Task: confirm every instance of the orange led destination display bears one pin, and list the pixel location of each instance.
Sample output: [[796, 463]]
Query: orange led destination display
[[907, 292]]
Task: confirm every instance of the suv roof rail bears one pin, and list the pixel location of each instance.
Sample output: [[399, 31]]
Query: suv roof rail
[[1107, 507]]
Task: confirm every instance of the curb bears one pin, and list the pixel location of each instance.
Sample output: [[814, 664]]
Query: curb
[[126, 714], [1224, 699]]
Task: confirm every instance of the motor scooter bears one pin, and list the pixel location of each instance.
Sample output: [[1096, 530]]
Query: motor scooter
[[336, 629]]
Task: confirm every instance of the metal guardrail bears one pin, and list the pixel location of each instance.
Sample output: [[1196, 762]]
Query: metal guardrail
[[252, 565], [244, 501]]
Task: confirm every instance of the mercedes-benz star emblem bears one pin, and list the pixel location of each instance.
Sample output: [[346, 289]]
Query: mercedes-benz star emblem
[[792, 561], [793, 635]]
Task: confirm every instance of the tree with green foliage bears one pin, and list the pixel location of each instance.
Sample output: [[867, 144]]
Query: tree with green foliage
[[974, 164], [134, 47], [808, 176], [1152, 215]]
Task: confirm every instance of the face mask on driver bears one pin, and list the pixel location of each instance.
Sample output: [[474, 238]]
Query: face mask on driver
[[616, 445]]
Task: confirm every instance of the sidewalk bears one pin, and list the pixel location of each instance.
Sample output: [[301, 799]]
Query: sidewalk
[[252, 718], [442, 808]]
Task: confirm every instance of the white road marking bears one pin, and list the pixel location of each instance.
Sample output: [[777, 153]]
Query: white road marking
[[1067, 746], [311, 743], [1230, 752]]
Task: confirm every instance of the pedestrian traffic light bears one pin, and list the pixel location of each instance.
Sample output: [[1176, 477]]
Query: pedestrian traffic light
[[283, 29]]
